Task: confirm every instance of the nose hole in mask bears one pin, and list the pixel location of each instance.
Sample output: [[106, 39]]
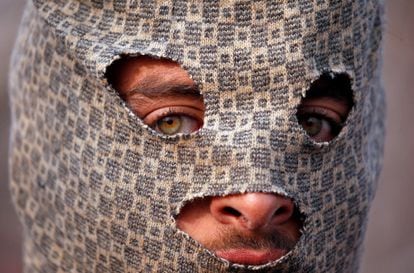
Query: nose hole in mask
[[160, 92], [323, 111], [250, 229]]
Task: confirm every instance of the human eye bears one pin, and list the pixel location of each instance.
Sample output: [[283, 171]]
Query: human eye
[[175, 120], [324, 109], [175, 124], [321, 124]]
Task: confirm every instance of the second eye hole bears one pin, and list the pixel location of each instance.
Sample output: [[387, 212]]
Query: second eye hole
[[325, 108]]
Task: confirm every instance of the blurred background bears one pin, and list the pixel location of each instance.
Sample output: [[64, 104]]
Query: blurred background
[[390, 236]]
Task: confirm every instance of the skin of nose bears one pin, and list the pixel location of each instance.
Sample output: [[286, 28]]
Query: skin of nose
[[252, 211]]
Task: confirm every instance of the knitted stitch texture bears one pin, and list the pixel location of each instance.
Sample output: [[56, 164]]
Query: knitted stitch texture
[[97, 190]]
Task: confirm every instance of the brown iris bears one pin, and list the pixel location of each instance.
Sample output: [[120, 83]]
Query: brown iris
[[312, 125], [169, 125]]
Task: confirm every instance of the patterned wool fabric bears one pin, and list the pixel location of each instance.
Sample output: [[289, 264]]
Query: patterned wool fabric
[[97, 190]]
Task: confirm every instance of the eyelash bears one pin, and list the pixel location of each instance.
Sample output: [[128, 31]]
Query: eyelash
[[321, 114], [175, 111], [169, 112]]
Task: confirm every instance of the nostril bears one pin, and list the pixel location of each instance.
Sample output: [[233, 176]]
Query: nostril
[[231, 211], [284, 212], [280, 211], [252, 210]]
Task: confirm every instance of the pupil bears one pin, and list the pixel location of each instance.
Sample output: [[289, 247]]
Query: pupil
[[170, 121], [311, 122], [313, 126]]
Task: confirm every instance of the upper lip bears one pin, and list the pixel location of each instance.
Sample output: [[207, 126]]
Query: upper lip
[[251, 256]]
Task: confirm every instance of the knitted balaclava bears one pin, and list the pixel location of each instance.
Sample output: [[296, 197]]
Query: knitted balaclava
[[98, 191]]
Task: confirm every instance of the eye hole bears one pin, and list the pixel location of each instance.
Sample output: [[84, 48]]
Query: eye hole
[[176, 123], [160, 92], [325, 108]]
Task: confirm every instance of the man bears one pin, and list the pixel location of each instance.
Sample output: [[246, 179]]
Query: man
[[196, 136]]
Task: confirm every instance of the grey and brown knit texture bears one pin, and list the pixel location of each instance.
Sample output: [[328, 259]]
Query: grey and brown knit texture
[[97, 191]]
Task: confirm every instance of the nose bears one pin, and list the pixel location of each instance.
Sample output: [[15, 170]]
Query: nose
[[252, 211]]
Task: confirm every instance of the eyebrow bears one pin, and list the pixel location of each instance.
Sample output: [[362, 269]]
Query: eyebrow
[[154, 90]]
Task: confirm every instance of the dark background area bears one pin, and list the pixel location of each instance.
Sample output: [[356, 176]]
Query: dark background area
[[389, 244]]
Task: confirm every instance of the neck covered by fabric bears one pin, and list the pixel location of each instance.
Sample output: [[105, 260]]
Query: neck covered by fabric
[[98, 191]]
